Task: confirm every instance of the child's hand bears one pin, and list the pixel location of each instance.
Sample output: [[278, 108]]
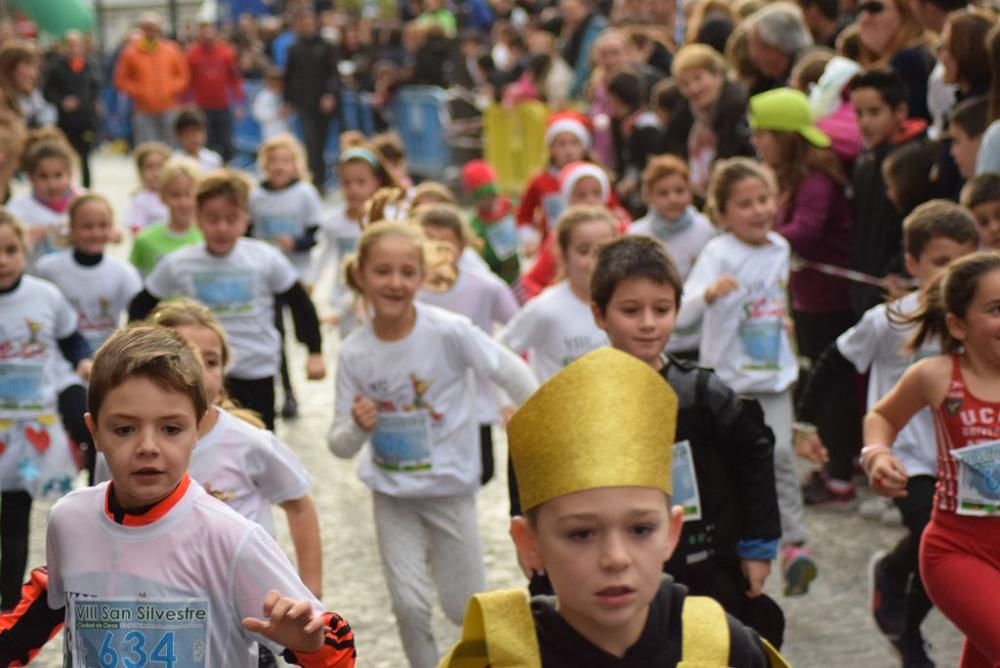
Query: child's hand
[[285, 242], [289, 623], [721, 288], [887, 475], [315, 367], [364, 412], [756, 572], [810, 446], [83, 368]]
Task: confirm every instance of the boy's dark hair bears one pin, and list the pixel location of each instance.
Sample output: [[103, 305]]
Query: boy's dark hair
[[829, 8], [938, 218], [890, 85], [228, 183], [980, 189], [665, 95], [152, 352], [627, 87], [910, 169], [188, 118], [970, 116], [632, 257]]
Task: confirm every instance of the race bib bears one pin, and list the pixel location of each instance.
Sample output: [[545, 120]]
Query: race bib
[[552, 205], [979, 480], [346, 245], [272, 227], [502, 237], [761, 340], [225, 292], [402, 441], [140, 633], [685, 483], [21, 386]]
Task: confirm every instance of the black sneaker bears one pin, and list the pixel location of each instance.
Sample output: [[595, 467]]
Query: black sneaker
[[887, 602], [817, 491], [291, 409], [913, 650]]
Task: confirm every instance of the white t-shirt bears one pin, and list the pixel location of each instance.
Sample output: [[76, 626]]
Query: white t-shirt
[[239, 288], [207, 159], [338, 237], [177, 587], [553, 329], [487, 301], [470, 260], [144, 209], [266, 110], [100, 293], [877, 343], [744, 337], [287, 212], [427, 439], [33, 214]]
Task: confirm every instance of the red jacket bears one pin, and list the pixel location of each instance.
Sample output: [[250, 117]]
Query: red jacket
[[531, 212], [215, 75]]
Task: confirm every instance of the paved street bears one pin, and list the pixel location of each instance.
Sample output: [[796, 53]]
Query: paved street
[[828, 627]]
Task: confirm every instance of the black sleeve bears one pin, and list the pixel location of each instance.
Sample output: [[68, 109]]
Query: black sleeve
[[745, 648], [304, 316], [142, 305], [515, 499], [25, 630], [830, 365], [75, 348], [307, 239]]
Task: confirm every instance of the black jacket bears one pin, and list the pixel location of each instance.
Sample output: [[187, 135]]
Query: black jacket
[[729, 122], [61, 82], [310, 73]]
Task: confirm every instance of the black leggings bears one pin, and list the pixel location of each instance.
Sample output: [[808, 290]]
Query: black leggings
[[256, 394], [279, 324], [486, 448], [902, 564], [15, 512]]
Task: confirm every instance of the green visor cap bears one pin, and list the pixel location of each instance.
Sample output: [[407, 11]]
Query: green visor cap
[[786, 109]]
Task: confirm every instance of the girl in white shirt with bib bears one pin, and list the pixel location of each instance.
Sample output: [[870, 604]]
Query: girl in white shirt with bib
[[738, 291], [405, 397], [557, 326]]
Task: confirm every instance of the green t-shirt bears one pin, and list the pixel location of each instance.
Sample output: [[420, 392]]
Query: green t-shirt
[[500, 241], [156, 241]]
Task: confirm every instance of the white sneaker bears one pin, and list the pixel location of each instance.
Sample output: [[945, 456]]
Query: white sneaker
[[874, 507]]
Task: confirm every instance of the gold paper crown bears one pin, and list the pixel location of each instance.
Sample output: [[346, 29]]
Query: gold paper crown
[[606, 420]]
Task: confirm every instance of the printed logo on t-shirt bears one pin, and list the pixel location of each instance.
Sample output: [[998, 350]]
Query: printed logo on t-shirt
[[577, 346], [223, 495], [761, 330], [272, 227], [401, 440], [21, 365], [226, 292]]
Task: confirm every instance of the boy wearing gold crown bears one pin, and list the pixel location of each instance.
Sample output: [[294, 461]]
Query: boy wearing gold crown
[[595, 487]]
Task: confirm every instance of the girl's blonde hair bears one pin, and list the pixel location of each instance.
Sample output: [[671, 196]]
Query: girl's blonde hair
[[146, 149], [386, 204], [372, 234], [725, 175], [575, 216], [7, 219], [43, 144], [86, 198], [444, 216], [176, 168], [698, 57], [432, 192], [288, 141]]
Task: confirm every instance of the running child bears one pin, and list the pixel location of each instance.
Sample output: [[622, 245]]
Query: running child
[[429, 193], [555, 328], [145, 206], [178, 182], [38, 337], [239, 279], [934, 235], [481, 297], [176, 575], [389, 147], [493, 221], [737, 290], [191, 130], [404, 388], [960, 548], [981, 196]]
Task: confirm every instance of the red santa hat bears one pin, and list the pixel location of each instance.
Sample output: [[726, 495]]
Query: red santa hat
[[479, 179], [571, 174], [572, 122]]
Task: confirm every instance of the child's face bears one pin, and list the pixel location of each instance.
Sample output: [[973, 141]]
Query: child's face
[[987, 217], [91, 228], [390, 276], [222, 223], [979, 330], [178, 197], [700, 87], [11, 257], [669, 196], [146, 434], [750, 211], [208, 345], [587, 191], [964, 150], [578, 260], [766, 145], [604, 551], [876, 120], [280, 167], [152, 165], [51, 178], [936, 256], [446, 235], [358, 183], [565, 148], [639, 318], [191, 140]]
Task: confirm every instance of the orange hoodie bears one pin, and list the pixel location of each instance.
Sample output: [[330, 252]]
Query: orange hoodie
[[152, 74]]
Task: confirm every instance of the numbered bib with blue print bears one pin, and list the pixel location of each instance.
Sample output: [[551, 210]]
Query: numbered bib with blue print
[[21, 386], [225, 292], [402, 441], [685, 482], [133, 633], [761, 340], [978, 479], [346, 245], [272, 227], [502, 237], [552, 205]]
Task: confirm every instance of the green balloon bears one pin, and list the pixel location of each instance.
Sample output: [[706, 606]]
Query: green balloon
[[57, 16]]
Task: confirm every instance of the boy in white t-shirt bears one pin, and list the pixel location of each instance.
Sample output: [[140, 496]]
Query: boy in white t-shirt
[[190, 129], [144, 205], [238, 279], [934, 235], [150, 566]]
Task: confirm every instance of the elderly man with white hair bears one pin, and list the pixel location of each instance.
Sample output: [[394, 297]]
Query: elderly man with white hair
[[777, 37]]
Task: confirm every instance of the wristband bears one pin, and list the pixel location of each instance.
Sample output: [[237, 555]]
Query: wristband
[[868, 454]]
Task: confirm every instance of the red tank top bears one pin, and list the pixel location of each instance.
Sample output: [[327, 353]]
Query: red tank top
[[960, 421]]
